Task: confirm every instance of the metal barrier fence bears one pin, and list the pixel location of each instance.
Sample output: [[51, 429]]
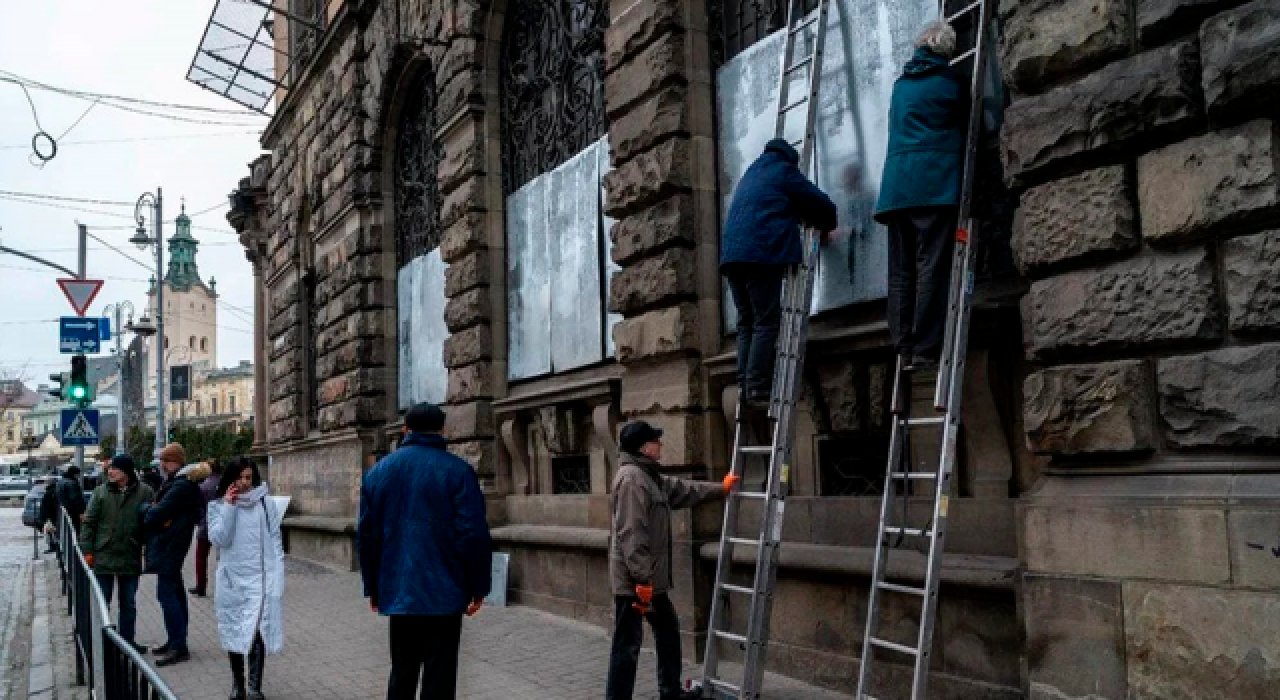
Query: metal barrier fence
[[108, 664]]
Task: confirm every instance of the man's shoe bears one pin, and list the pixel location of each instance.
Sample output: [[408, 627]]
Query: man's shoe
[[50, 551], [198, 592], [140, 648], [161, 650], [174, 657], [237, 691]]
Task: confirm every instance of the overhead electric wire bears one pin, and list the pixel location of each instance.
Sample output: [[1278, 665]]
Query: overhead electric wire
[[63, 198], [42, 270], [51, 205], [85, 94], [121, 253], [97, 142]]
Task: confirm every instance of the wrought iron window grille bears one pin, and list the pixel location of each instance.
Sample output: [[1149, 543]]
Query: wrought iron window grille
[[417, 189]]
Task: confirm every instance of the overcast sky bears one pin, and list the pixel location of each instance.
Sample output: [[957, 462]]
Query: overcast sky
[[133, 48]]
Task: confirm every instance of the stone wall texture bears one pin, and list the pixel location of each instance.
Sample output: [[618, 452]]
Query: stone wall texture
[[1086, 216]]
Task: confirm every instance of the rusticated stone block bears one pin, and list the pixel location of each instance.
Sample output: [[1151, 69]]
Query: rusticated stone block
[[360, 382], [656, 333], [637, 27], [1151, 300], [468, 420], [363, 352], [467, 235], [667, 223], [662, 63], [661, 387], [284, 408], [358, 411], [468, 309], [1085, 216], [1045, 40], [468, 273], [472, 345], [469, 197], [1200, 642], [1073, 624], [475, 381], [1079, 409], [648, 178], [664, 113], [478, 453], [660, 280], [1219, 180], [1241, 57], [1251, 265], [1144, 99], [1159, 20], [1226, 398]]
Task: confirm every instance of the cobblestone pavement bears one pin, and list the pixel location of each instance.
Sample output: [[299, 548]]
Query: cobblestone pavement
[[15, 599], [335, 648]]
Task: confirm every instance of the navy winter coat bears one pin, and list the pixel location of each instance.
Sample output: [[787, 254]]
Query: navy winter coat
[[928, 115], [170, 524], [768, 205], [424, 541]]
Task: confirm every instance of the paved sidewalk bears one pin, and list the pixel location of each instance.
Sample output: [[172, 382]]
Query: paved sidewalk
[[336, 649]]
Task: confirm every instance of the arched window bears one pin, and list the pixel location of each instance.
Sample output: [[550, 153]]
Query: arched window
[[204, 345]]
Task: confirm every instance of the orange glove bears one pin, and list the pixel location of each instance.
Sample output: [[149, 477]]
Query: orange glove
[[88, 560], [475, 606], [730, 480], [644, 592]]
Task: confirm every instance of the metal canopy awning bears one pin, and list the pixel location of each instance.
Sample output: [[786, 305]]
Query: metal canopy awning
[[238, 57]]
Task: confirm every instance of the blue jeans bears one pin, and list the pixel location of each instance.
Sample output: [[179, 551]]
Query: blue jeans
[[172, 597], [127, 620]]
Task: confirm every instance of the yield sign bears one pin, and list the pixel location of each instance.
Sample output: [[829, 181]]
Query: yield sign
[[80, 292]]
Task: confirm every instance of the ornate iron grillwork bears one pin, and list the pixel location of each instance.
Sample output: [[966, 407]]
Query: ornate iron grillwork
[[852, 465], [552, 84], [303, 39], [737, 24], [571, 475], [417, 191]]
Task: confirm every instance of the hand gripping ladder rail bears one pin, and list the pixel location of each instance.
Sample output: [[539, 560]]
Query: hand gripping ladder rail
[[947, 401], [800, 75]]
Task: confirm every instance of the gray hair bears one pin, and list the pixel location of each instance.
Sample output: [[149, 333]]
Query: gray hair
[[939, 38]]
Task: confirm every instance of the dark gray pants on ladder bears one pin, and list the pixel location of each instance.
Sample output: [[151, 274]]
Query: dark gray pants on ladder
[[921, 243]]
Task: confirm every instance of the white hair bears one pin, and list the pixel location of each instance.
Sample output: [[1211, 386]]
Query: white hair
[[939, 38]]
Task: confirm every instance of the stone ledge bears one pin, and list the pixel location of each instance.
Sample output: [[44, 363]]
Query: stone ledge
[[966, 570], [320, 523], [552, 536]]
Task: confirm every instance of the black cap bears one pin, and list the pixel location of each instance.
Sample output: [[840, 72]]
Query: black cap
[[424, 418], [636, 434], [125, 464]]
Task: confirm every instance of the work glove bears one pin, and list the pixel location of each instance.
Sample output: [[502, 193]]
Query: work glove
[[730, 480], [644, 592], [88, 560], [475, 606]]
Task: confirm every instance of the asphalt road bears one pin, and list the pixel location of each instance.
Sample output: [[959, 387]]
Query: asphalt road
[[15, 598]]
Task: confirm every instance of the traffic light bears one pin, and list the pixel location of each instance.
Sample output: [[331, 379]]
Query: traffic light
[[58, 391], [79, 392]]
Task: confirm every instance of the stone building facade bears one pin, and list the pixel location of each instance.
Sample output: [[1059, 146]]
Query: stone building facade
[[1118, 457]]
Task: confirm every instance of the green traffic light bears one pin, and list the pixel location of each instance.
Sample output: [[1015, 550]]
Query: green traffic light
[[78, 392]]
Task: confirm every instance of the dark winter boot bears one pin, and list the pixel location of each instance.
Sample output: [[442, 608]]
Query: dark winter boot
[[237, 677], [257, 656]]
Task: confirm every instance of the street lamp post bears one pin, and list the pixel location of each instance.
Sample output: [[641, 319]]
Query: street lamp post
[[142, 240], [117, 310]]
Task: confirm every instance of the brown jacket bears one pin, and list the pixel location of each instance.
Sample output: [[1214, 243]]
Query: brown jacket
[[640, 535]]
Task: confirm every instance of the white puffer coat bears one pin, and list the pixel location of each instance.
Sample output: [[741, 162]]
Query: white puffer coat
[[250, 579]]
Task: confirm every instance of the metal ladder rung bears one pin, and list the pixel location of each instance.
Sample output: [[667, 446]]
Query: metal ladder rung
[[756, 449], [796, 66], [752, 494], [894, 646], [969, 8], [744, 540], [736, 589], [930, 420], [731, 636], [913, 475], [805, 24], [897, 588], [795, 104], [725, 686], [908, 531], [963, 56]]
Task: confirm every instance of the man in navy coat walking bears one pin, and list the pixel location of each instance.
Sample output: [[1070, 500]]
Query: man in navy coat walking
[[761, 240], [425, 554]]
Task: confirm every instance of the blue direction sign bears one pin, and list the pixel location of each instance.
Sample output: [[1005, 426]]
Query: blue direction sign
[[79, 427], [78, 336]]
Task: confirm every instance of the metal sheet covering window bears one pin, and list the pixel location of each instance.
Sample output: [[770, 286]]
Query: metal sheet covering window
[[420, 278], [867, 43], [556, 261]]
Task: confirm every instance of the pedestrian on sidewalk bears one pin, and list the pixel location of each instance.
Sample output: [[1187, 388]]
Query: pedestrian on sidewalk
[[111, 539], [71, 494], [640, 559], [761, 241], [244, 524], [920, 192], [49, 514], [425, 554], [170, 523], [208, 494]]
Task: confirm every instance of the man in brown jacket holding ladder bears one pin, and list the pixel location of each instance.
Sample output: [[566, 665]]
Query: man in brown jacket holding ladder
[[641, 501]]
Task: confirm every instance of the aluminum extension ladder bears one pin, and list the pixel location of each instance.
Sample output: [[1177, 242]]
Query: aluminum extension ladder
[[947, 399], [797, 299]]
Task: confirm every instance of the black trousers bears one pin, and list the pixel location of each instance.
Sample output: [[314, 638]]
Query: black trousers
[[921, 242], [757, 294], [628, 636], [426, 646]]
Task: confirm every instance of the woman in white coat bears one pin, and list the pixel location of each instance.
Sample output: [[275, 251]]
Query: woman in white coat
[[244, 524]]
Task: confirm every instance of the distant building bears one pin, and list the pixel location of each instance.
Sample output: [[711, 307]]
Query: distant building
[[16, 400], [218, 397]]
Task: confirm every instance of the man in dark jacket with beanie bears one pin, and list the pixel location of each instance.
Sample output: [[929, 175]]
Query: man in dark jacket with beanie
[[171, 522], [111, 538], [425, 554], [761, 239], [71, 494], [920, 192]]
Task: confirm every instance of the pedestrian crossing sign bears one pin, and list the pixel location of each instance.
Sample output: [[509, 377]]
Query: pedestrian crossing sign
[[79, 427]]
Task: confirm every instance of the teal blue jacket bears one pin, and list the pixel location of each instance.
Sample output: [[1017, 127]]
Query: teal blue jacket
[[928, 115]]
